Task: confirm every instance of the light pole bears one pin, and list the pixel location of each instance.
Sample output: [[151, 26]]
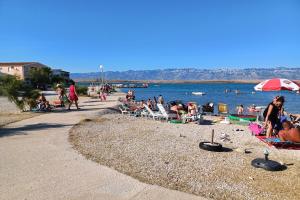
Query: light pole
[[102, 77]]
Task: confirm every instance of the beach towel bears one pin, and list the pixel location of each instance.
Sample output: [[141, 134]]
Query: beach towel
[[256, 129], [277, 143]]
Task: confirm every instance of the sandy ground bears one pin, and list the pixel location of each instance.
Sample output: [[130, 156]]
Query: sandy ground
[[9, 112], [168, 155], [37, 162]]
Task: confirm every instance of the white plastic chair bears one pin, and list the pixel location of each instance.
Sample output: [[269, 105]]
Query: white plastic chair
[[154, 115], [166, 115]]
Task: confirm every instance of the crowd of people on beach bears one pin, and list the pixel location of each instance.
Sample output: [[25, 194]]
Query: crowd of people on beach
[[275, 119]]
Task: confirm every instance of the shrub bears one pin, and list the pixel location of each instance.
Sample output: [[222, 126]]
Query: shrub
[[81, 90], [18, 92]]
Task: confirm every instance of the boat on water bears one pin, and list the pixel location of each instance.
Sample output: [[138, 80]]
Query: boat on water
[[199, 93], [130, 85]]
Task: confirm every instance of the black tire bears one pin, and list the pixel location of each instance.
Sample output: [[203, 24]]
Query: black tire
[[208, 146], [268, 165]]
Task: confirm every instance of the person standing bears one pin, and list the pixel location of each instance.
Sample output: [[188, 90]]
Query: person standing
[[73, 97], [61, 93], [271, 115], [161, 99]]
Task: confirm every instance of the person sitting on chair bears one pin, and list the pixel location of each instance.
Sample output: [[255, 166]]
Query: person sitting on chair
[[192, 109]]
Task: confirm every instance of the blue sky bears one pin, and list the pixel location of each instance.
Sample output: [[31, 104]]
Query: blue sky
[[78, 35]]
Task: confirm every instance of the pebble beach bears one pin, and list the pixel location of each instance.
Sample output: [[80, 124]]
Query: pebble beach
[[168, 155]]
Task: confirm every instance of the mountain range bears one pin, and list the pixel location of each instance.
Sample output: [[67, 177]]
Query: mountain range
[[190, 74]]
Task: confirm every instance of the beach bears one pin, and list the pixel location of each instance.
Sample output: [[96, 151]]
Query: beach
[[97, 152], [168, 155]]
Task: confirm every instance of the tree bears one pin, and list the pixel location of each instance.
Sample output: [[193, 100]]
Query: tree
[[18, 92], [57, 79], [40, 77]]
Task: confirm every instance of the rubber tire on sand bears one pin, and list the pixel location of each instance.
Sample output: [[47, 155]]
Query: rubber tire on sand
[[208, 146], [268, 165]]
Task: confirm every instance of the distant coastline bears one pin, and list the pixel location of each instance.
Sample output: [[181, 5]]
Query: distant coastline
[[174, 81]]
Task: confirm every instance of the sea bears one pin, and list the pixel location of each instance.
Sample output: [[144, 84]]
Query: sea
[[215, 92]]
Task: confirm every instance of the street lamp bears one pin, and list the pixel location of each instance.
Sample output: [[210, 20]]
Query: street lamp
[[102, 77]]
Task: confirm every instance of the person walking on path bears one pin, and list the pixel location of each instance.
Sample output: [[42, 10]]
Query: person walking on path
[[73, 97]]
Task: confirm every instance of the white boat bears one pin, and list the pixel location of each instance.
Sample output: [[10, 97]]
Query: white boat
[[199, 93]]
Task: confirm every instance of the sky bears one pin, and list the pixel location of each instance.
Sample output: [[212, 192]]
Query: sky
[[79, 35]]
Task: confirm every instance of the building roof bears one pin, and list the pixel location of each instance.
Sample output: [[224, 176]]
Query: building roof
[[15, 63], [59, 70], [18, 63]]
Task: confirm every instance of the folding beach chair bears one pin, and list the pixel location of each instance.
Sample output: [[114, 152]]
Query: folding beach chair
[[152, 114], [223, 109], [165, 114]]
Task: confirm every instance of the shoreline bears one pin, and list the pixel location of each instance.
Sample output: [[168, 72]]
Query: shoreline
[[178, 81], [172, 81]]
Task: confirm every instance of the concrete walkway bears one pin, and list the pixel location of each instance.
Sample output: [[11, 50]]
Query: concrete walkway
[[37, 162]]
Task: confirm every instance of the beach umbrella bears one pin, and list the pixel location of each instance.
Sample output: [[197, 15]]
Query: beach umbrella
[[277, 84]]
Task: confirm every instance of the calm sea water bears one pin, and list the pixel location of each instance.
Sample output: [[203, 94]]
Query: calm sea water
[[215, 93]]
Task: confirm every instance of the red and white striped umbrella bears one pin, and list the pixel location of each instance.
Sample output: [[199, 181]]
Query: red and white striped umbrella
[[277, 84]]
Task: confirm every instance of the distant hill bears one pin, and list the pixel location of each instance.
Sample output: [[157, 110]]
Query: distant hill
[[190, 74]]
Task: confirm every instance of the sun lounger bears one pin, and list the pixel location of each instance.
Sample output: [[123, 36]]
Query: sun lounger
[[187, 118], [165, 114], [275, 142], [126, 110], [154, 115]]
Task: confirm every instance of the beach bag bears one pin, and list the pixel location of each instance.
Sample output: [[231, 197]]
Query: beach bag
[[65, 99], [256, 129]]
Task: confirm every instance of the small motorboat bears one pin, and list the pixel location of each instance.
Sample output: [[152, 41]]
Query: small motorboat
[[199, 93]]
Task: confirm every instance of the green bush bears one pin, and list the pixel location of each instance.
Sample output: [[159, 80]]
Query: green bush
[[18, 92], [81, 90]]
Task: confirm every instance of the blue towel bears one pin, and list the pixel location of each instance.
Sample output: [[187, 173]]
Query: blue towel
[[272, 140]]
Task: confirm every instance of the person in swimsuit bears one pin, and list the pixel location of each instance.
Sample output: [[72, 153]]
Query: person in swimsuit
[[271, 114], [73, 97], [289, 133], [192, 109]]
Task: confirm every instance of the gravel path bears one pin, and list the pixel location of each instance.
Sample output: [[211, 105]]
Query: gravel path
[[168, 155]]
